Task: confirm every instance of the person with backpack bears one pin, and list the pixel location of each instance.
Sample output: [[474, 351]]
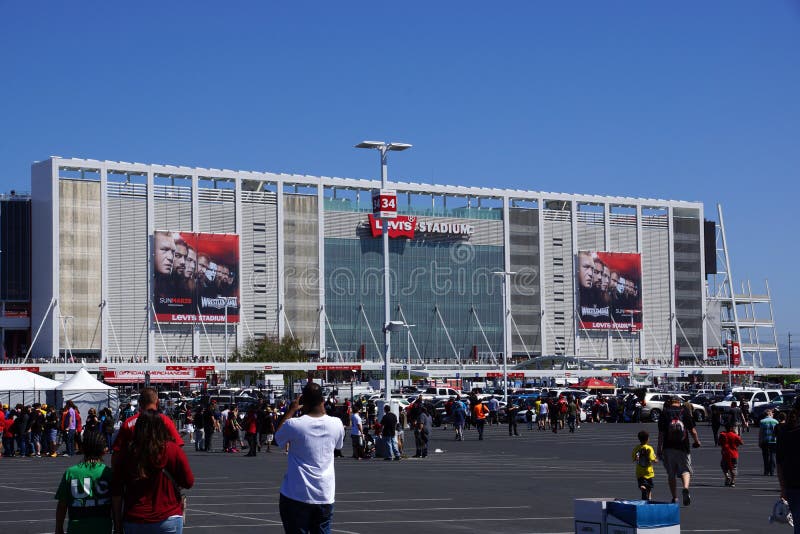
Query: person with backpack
[[645, 456], [459, 418], [674, 428]]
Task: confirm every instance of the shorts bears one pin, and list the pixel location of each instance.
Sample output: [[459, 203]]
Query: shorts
[[677, 462], [648, 483]]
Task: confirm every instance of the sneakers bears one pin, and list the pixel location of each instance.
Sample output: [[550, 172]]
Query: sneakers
[[687, 499]]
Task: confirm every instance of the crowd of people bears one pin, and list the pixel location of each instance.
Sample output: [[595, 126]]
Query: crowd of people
[[141, 490], [39, 430]]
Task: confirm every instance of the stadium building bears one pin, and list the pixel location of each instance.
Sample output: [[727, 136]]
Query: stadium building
[[137, 262]]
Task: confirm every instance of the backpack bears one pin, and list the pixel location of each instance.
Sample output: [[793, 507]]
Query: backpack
[[643, 457], [676, 430]]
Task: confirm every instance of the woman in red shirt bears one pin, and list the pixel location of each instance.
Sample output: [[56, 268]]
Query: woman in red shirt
[[147, 477], [251, 431]]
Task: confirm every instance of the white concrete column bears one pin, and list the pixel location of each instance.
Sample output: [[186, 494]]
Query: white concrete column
[[103, 304], [151, 325]]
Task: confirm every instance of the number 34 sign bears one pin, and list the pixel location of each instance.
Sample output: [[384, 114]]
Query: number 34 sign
[[384, 203]]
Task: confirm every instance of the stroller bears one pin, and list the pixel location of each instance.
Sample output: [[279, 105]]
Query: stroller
[[369, 446]]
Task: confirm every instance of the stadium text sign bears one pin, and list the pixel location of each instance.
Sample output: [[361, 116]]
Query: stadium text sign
[[408, 226]]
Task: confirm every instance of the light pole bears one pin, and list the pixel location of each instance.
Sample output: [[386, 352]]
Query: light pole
[[506, 329], [226, 343], [408, 349], [384, 148]]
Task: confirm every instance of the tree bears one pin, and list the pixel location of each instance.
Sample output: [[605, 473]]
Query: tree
[[288, 349]]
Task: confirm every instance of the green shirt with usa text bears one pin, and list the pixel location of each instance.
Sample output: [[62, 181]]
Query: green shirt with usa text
[[86, 490]]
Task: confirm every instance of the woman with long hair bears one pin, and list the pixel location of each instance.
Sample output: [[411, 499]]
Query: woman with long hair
[[148, 476]]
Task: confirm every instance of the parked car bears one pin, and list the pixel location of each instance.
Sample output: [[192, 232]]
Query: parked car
[[439, 393], [653, 406], [781, 403], [755, 397]]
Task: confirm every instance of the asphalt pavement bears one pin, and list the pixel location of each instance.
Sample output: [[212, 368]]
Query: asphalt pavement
[[504, 484]]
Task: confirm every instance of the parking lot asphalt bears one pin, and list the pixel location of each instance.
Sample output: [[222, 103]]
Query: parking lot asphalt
[[503, 484]]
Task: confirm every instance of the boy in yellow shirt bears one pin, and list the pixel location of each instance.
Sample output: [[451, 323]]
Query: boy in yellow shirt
[[645, 457]]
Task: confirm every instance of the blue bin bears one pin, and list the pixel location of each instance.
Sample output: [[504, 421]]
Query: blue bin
[[645, 514]]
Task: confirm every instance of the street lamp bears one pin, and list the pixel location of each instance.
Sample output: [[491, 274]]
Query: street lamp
[[226, 343], [506, 329], [384, 148]]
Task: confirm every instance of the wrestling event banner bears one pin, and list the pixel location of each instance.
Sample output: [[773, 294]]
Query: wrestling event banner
[[609, 290], [195, 277]]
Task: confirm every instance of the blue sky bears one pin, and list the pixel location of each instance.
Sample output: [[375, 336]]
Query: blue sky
[[680, 100]]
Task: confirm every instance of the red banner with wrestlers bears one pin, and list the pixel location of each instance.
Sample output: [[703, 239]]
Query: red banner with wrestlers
[[609, 290], [195, 277]]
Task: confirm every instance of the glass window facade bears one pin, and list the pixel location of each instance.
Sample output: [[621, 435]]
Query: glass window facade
[[15, 260], [434, 284]]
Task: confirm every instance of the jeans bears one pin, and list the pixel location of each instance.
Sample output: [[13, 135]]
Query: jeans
[[768, 455], [303, 518], [356, 439], [793, 496], [391, 444], [421, 438], [70, 442], [52, 440], [208, 437], [199, 442], [24, 443], [8, 446], [479, 424], [172, 525]]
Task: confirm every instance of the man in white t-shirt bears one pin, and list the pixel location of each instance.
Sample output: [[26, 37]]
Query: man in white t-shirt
[[309, 486], [356, 434]]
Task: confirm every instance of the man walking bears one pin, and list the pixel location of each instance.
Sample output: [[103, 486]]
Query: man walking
[[389, 433], [674, 427], [493, 404], [422, 433], [309, 486], [479, 414], [356, 434], [767, 442]]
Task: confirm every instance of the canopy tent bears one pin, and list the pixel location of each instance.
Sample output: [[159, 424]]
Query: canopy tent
[[594, 383], [24, 387], [87, 392]]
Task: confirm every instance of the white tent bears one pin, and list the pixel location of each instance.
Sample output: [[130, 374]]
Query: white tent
[[24, 387], [87, 392]]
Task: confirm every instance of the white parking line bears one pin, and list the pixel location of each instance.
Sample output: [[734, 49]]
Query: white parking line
[[385, 521], [26, 489]]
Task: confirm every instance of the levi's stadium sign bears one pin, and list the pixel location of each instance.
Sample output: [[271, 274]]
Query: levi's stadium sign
[[408, 226]]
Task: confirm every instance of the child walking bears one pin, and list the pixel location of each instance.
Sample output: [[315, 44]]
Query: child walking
[[645, 457], [730, 442]]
